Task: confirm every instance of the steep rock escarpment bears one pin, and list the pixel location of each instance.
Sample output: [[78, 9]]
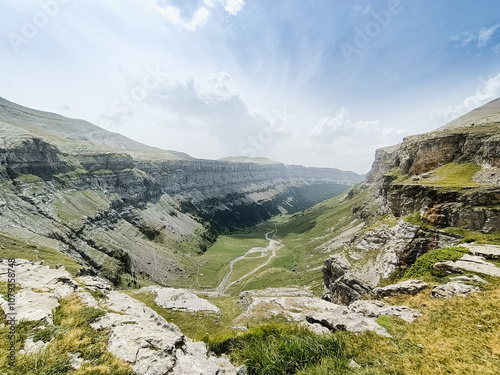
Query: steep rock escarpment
[[429, 182]]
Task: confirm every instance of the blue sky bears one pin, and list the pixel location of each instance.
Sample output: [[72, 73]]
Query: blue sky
[[312, 82]]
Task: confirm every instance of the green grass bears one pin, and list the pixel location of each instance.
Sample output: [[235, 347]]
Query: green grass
[[71, 333], [424, 264], [477, 237], [17, 248], [28, 178], [75, 206], [451, 175], [416, 219], [279, 349]]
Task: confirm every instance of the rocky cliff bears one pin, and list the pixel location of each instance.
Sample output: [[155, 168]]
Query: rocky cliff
[[431, 191], [122, 207]]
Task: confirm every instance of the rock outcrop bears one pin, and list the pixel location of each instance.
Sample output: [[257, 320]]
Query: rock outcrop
[[453, 288], [180, 300], [404, 287], [300, 305], [136, 333], [470, 263]]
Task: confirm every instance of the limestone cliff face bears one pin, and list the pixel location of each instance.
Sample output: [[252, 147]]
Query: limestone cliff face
[[119, 206], [409, 180], [446, 178]]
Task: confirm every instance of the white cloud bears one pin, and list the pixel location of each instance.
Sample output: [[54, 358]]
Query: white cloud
[[192, 16], [489, 91], [340, 138], [481, 37]]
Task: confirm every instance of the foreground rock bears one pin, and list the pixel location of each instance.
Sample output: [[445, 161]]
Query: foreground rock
[[405, 287], [470, 263], [342, 287], [180, 300], [137, 334], [153, 346], [300, 305], [453, 288]]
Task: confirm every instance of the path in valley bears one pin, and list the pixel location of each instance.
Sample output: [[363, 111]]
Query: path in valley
[[273, 246]]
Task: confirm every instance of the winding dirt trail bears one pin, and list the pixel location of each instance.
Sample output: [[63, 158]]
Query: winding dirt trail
[[273, 246]]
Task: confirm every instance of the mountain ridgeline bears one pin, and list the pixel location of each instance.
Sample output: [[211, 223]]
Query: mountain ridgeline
[[118, 206]]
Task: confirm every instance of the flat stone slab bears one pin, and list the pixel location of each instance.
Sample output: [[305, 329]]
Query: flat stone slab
[[32, 306], [405, 287], [470, 263], [453, 288], [35, 275], [181, 300], [374, 309], [352, 322], [486, 251]]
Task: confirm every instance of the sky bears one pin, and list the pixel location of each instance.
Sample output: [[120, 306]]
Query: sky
[[313, 82]]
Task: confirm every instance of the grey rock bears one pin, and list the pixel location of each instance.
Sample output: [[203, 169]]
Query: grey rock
[[353, 365], [374, 309], [75, 360], [341, 287], [34, 275], [31, 347], [351, 322], [473, 278], [31, 306], [183, 300], [150, 344], [241, 370], [452, 289], [405, 287], [470, 263], [486, 251], [94, 283]]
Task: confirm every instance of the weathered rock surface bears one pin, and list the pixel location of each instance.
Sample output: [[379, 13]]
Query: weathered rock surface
[[95, 283], [153, 346], [452, 289], [405, 287], [470, 263], [137, 334], [473, 278], [341, 287], [486, 251], [374, 309], [302, 306], [356, 323], [180, 300]]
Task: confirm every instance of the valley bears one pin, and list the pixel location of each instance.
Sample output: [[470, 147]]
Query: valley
[[265, 268]]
